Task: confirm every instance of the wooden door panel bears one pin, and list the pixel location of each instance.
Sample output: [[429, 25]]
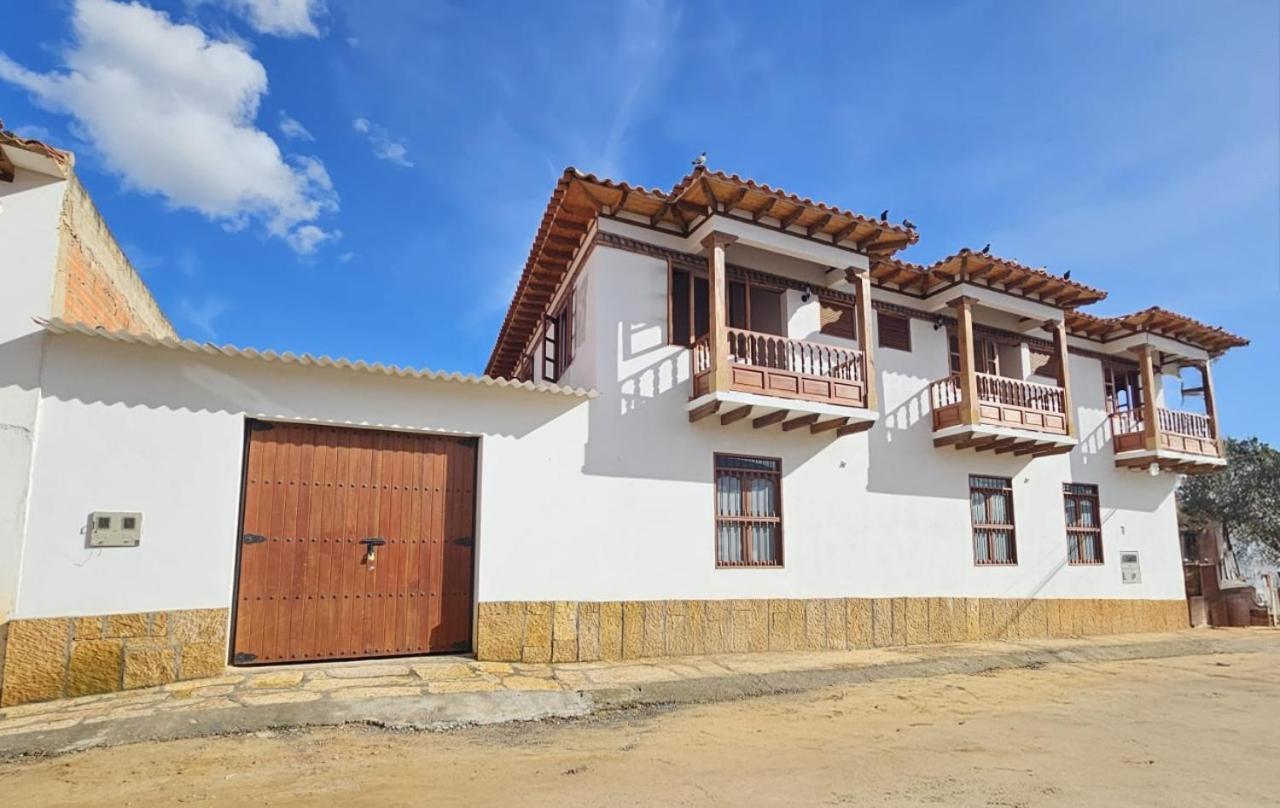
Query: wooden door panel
[[311, 495]]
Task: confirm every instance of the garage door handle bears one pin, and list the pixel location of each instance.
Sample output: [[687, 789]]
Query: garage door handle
[[465, 541], [373, 541]]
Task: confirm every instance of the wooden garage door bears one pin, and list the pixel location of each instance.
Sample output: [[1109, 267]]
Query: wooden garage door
[[312, 585]]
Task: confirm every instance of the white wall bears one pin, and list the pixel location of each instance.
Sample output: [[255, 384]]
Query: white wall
[[158, 431], [29, 208]]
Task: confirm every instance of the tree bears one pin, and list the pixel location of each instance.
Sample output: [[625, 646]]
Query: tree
[[1244, 497]]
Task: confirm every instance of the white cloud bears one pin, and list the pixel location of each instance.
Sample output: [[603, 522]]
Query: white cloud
[[287, 18], [346, 257], [202, 314], [385, 147], [293, 129], [172, 112]]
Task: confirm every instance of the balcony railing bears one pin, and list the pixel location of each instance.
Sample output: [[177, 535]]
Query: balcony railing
[[1001, 402], [1185, 432], [771, 365]]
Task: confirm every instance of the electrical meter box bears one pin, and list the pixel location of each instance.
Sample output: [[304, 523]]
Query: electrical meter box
[[115, 529], [1130, 570]]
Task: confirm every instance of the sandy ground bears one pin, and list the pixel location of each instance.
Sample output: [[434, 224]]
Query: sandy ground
[[1182, 731]]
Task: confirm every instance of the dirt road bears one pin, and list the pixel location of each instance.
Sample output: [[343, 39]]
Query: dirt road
[[1182, 731]]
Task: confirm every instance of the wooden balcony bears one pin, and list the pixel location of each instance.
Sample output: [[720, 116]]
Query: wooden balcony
[[1019, 416], [1182, 442], [793, 382]]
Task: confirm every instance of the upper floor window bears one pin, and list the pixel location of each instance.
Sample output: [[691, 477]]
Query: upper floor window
[[557, 341], [837, 319], [991, 507], [748, 511], [751, 306], [1123, 388], [895, 331], [986, 355], [1084, 527]]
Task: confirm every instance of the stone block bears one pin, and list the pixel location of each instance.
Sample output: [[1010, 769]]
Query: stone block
[[35, 660], [499, 631], [203, 660], [899, 621], [1093, 617], [1176, 615], [564, 621], [992, 618], [739, 626], [198, 625], [815, 625], [564, 650], [95, 667], [697, 626], [536, 653], [537, 625], [127, 625], [632, 629], [159, 624], [87, 628], [941, 620], [882, 622], [716, 614], [796, 629], [589, 632], [917, 621], [779, 634], [1033, 622], [677, 631], [833, 612], [655, 618], [148, 663], [858, 623], [972, 619], [611, 631], [758, 631]]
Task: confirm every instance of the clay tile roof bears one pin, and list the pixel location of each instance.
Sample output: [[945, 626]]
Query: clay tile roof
[[1015, 277], [1155, 320], [63, 158], [579, 198]]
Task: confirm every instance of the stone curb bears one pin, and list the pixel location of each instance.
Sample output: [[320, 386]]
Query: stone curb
[[439, 712]]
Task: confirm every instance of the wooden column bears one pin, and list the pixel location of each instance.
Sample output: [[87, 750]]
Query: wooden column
[[718, 320], [862, 282], [1058, 328], [969, 410], [1150, 421], [1211, 408]]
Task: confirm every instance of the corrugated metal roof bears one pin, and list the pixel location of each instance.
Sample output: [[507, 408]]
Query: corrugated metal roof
[[56, 326]]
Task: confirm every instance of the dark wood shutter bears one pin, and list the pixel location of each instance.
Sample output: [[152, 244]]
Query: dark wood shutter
[[895, 331], [837, 320]]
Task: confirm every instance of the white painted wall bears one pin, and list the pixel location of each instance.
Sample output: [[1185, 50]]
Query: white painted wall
[[29, 208], [608, 499]]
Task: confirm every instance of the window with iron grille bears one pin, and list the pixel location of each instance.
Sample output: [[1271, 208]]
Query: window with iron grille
[[748, 511], [991, 506], [1084, 525]]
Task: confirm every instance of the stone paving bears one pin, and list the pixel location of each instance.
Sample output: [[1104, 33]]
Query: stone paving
[[414, 681]]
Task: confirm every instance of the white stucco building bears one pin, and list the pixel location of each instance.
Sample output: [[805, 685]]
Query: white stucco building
[[716, 418]]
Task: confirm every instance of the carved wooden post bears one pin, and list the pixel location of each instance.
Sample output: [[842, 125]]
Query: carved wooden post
[[1210, 408], [718, 337], [969, 409], [862, 282], [1150, 422], [1058, 328]]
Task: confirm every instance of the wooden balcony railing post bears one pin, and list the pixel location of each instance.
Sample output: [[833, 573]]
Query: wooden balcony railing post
[[862, 282], [1058, 328], [969, 407], [1150, 419], [1211, 407], [715, 244]]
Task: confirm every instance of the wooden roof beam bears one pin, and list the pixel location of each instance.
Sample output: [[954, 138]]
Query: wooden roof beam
[[845, 232], [791, 217], [818, 225], [735, 200], [764, 209], [713, 202]]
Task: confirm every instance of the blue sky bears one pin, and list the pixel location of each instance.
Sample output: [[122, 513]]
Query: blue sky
[[364, 179]]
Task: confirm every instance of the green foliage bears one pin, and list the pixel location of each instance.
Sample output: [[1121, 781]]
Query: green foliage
[[1244, 497]]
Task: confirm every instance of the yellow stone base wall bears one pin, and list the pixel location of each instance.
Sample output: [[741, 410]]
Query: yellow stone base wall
[[62, 657], [572, 631]]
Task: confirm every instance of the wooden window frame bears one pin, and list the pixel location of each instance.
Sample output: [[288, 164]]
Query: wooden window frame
[[1075, 555], [694, 274], [1007, 489], [776, 477], [557, 341], [1109, 387], [881, 316]]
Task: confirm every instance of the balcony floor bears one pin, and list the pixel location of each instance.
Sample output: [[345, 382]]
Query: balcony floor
[[787, 413], [1003, 440], [1169, 460]]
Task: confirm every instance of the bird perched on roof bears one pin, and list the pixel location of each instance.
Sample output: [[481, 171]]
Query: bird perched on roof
[[1066, 276], [986, 250], [907, 223], [700, 161], [884, 215]]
